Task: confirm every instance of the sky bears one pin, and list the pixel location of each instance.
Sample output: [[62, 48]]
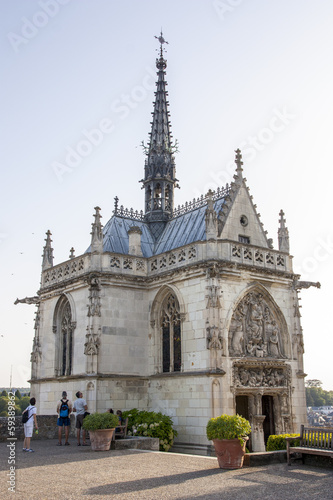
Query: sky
[[78, 85]]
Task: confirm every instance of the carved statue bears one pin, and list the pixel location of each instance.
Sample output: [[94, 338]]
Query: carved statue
[[28, 300], [274, 342], [237, 340], [213, 338], [306, 284], [256, 322], [91, 345]]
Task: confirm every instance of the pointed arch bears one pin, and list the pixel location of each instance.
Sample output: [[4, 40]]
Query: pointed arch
[[256, 323], [167, 315], [63, 327]]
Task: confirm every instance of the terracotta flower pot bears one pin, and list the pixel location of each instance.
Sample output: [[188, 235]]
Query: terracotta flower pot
[[100, 439], [230, 453]]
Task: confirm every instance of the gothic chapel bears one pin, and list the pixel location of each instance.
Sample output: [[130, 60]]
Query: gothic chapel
[[188, 311]]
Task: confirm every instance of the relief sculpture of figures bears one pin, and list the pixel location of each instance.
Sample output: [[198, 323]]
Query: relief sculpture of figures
[[237, 339], [274, 342], [254, 329], [260, 377]]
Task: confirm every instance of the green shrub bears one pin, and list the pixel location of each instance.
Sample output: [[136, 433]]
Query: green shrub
[[151, 424], [278, 442], [228, 427], [100, 421]]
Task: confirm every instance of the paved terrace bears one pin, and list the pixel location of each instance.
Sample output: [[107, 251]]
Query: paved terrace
[[72, 472]]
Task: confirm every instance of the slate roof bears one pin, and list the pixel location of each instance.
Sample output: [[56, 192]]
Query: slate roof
[[179, 231]]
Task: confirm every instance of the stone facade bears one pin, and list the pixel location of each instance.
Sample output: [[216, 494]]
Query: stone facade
[[191, 312]]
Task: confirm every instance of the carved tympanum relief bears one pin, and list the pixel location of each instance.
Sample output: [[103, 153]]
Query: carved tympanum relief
[[254, 329], [260, 377]]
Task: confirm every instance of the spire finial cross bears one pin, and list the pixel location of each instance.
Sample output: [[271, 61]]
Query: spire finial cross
[[162, 40]]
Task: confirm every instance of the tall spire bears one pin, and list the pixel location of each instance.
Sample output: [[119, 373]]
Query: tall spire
[[47, 252], [283, 234], [239, 163], [159, 181], [97, 233]]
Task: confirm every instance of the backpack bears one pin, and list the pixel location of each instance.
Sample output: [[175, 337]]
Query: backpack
[[25, 415], [64, 409]]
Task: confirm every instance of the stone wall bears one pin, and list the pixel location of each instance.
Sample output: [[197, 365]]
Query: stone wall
[[47, 428]]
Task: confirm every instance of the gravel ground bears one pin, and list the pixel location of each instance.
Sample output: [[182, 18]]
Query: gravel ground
[[72, 472]]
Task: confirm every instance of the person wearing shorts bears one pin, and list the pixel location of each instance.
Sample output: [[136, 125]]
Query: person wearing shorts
[[29, 426], [80, 407], [64, 421]]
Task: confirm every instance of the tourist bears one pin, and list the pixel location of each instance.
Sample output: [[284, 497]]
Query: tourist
[[64, 409], [29, 425], [120, 416], [80, 407]]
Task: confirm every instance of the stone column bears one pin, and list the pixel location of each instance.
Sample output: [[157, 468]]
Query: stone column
[[258, 441]]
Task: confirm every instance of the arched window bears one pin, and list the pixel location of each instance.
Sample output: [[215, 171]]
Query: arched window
[[167, 198], [148, 205], [157, 196], [64, 330], [171, 335]]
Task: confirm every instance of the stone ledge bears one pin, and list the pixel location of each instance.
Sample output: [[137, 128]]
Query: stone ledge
[[47, 427], [136, 443], [265, 458], [250, 459]]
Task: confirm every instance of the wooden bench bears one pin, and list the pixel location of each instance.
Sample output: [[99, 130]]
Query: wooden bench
[[122, 432], [313, 441]]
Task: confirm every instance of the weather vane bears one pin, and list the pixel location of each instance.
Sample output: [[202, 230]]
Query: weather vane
[[161, 39]]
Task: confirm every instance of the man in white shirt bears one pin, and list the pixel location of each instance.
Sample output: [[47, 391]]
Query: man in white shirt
[[80, 407], [29, 425]]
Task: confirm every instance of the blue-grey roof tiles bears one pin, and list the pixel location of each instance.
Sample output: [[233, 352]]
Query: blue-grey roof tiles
[[178, 232]]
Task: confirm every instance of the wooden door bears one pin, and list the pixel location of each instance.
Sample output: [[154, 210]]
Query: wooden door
[[268, 411]]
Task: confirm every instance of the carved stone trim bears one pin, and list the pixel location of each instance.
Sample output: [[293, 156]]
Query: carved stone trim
[[261, 375], [92, 343]]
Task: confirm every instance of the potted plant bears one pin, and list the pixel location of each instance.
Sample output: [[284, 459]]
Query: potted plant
[[101, 427], [229, 434]]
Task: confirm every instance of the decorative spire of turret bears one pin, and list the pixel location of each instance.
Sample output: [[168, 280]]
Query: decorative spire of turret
[[97, 233], [159, 181], [283, 234], [210, 218], [47, 252], [239, 163]]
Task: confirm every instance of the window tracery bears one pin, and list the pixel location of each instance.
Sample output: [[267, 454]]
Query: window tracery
[[171, 334], [63, 328], [66, 341]]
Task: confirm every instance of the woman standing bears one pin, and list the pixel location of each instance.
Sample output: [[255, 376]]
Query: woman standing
[[29, 425]]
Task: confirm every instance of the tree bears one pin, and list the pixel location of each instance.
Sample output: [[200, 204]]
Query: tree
[[18, 394], [313, 383], [3, 405], [316, 396], [4, 393], [23, 403]]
